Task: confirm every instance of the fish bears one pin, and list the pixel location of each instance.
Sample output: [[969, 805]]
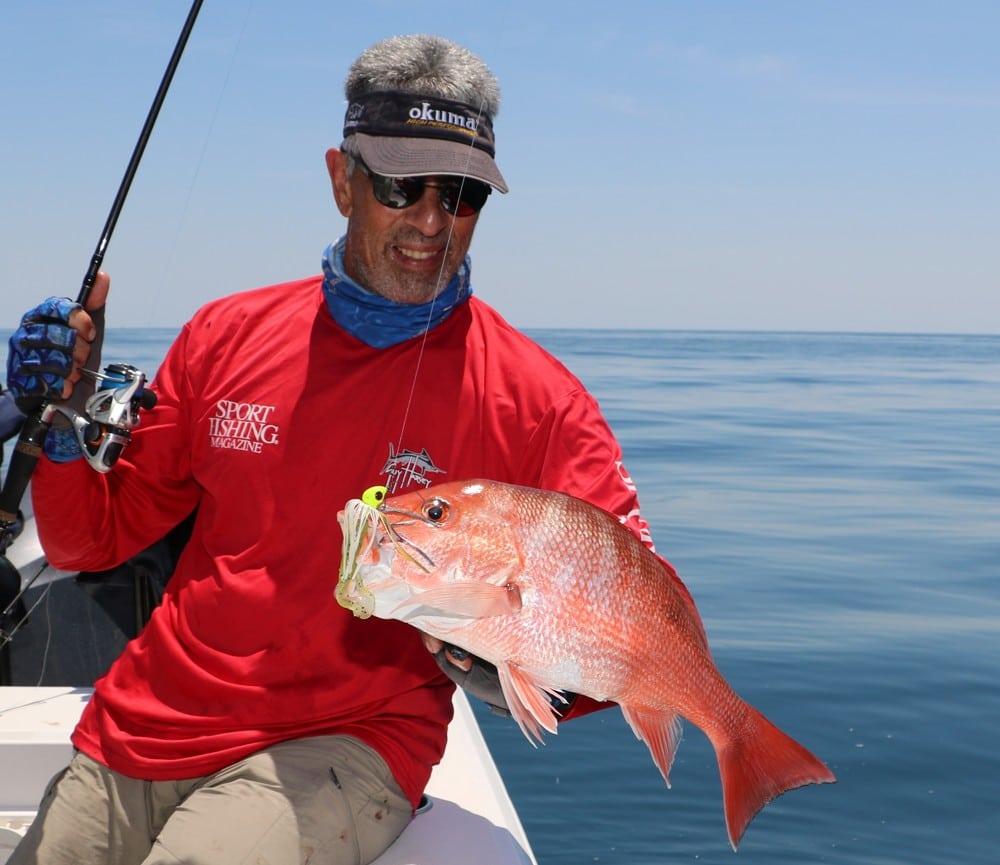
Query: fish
[[563, 598]]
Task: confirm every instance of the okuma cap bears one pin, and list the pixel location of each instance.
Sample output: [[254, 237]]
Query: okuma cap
[[409, 135]]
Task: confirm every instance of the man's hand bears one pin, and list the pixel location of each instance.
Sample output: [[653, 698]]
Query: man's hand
[[53, 344], [48, 352], [455, 656], [480, 678], [470, 673]]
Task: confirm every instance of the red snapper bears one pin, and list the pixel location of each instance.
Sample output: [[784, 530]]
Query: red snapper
[[561, 597]]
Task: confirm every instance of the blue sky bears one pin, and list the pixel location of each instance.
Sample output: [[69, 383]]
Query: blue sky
[[708, 165]]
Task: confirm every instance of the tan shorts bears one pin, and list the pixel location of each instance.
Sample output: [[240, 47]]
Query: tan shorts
[[327, 800]]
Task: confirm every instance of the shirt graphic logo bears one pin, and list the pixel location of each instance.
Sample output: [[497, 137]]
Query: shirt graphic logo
[[242, 426], [633, 519], [408, 467]]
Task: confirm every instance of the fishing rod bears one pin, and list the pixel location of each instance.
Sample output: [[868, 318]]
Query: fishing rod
[[140, 146], [103, 428]]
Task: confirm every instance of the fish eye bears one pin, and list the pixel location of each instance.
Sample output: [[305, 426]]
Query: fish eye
[[436, 510]]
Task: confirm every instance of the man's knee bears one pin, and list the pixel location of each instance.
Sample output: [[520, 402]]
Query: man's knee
[[328, 800], [86, 815]]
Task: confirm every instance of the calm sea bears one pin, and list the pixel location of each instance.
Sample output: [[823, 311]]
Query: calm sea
[[833, 503]]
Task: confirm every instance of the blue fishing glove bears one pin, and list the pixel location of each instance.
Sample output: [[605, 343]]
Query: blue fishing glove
[[40, 358], [41, 353]]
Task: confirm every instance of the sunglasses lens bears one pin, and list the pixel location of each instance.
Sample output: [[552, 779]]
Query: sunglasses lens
[[464, 199], [459, 198], [397, 192]]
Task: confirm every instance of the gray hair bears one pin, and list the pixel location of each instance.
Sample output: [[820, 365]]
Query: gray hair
[[425, 66]]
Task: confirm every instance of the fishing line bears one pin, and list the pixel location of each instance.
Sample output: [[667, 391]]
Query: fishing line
[[437, 287], [48, 633], [171, 254], [7, 636]]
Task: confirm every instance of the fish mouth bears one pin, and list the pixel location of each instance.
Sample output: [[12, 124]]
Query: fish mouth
[[391, 532], [369, 546]]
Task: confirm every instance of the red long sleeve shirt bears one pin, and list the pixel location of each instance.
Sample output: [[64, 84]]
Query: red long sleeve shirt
[[269, 418]]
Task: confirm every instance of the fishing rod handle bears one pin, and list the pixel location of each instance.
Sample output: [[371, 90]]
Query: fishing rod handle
[[22, 464]]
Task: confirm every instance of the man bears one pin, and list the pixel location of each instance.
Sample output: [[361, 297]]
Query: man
[[254, 719]]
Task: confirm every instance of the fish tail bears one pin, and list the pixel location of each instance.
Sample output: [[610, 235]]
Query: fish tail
[[760, 765]]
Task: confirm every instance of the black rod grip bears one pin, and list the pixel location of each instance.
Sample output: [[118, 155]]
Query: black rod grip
[[22, 464]]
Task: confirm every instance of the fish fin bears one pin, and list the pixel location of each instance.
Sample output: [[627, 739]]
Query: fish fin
[[466, 601], [759, 766], [528, 702], [661, 731]]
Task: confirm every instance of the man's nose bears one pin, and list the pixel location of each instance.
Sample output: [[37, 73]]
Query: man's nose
[[428, 214]]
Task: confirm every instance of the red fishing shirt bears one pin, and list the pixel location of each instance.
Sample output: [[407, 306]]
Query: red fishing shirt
[[269, 418]]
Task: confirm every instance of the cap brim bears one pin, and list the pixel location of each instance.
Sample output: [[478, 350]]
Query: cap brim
[[414, 157]]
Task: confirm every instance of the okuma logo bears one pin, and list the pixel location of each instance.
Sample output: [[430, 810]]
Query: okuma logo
[[242, 426], [424, 113]]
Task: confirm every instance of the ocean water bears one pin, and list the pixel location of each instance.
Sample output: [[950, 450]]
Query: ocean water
[[833, 503]]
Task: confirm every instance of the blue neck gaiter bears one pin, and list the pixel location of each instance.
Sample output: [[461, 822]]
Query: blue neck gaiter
[[380, 322]]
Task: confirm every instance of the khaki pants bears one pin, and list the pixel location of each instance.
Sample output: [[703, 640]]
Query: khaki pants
[[327, 800]]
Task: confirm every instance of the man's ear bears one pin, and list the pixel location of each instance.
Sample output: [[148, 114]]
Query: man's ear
[[336, 166]]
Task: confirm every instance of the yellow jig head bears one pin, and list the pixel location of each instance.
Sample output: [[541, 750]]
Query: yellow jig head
[[374, 496]]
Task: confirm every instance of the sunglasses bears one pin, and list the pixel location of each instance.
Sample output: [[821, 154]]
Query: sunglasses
[[462, 196]]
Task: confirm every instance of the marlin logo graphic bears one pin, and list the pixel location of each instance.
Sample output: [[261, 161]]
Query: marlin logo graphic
[[407, 467]]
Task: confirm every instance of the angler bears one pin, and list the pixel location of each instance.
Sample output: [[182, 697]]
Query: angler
[[253, 716]]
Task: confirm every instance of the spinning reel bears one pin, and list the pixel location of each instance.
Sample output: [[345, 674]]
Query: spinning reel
[[104, 428]]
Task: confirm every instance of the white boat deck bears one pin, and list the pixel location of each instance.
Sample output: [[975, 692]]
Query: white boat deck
[[471, 818]]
